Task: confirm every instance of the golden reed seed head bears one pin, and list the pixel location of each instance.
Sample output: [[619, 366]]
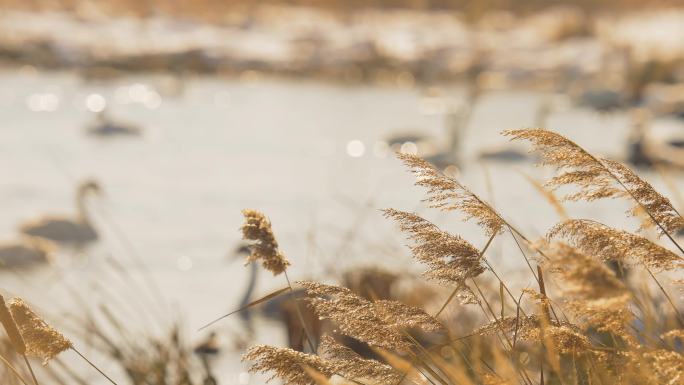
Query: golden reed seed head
[[566, 337], [598, 178], [286, 364], [608, 244], [667, 366], [591, 291], [378, 323], [42, 340], [583, 277], [257, 228], [11, 328], [653, 202], [350, 365], [450, 259], [290, 365], [447, 194]]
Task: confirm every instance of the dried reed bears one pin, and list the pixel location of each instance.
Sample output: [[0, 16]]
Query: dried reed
[[257, 228], [598, 178]]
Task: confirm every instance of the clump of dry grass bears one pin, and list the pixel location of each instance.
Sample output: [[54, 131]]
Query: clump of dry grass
[[595, 329], [334, 359]]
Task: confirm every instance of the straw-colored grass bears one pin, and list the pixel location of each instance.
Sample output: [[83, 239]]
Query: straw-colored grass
[[594, 327]]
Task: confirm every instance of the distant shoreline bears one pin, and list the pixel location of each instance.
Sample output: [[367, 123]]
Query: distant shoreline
[[549, 50]]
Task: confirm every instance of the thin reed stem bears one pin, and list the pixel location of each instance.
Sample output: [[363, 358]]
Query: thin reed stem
[[427, 354], [667, 296], [455, 291], [536, 276], [491, 311], [94, 366], [307, 332], [446, 303], [28, 365]]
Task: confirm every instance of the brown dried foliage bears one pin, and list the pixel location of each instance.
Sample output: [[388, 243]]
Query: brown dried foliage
[[42, 340], [349, 364], [286, 364], [447, 194], [379, 323], [598, 178], [597, 239], [450, 259], [257, 228]]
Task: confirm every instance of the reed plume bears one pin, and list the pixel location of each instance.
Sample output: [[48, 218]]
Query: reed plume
[[592, 292], [583, 277], [378, 323], [565, 337], [349, 364], [257, 228], [594, 238], [42, 340], [450, 259], [666, 366], [447, 194], [287, 364], [650, 200], [598, 178]]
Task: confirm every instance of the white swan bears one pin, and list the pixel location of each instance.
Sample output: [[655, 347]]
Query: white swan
[[74, 231]]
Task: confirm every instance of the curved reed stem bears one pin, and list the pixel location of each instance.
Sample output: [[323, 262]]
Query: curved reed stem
[[456, 290], [94, 366], [667, 296], [28, 364]]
